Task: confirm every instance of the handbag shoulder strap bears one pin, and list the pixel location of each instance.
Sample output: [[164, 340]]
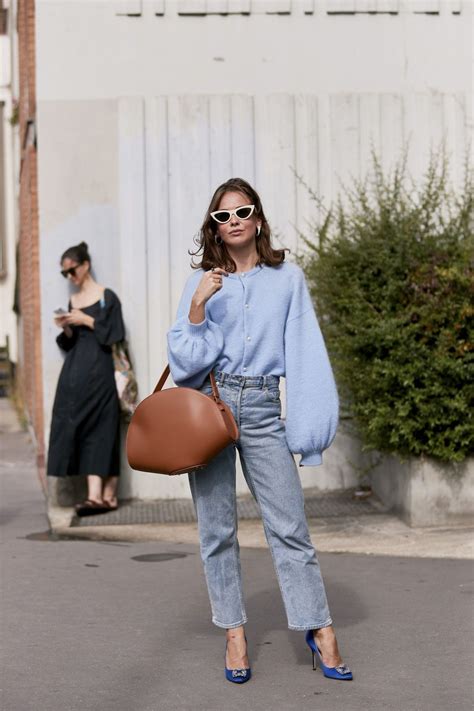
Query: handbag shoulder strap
[[164, 378]]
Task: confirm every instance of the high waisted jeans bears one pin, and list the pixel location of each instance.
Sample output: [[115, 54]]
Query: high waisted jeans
[[272, 477]]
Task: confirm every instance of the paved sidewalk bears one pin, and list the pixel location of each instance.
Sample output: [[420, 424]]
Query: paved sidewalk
[[124, 625]]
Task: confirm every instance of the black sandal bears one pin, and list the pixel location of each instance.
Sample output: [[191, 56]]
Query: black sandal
[[109, 506], [92, 508]]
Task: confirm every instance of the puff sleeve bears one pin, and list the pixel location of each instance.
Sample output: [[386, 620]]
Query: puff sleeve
[[67, 343], [193, 349], [312, 400]]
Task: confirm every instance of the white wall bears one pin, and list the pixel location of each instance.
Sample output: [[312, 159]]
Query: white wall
[[87, 51], [141, 117], [9, 167]]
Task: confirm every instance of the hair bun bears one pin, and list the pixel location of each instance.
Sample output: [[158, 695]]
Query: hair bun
[[83, 245]]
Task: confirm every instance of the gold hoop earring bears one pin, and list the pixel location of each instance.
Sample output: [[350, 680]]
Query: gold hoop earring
[[259, 229]]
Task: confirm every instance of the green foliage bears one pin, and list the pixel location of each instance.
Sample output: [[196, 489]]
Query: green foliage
[[391, 272]]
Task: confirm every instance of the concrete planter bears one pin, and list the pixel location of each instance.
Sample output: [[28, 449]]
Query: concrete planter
[[424, 492]]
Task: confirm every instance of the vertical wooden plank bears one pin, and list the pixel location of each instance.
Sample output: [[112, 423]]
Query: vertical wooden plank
[[325, 163], [307, 162], [243, 138], [127, 7], [344, 139], [423, 129], [220, 142], [369, 130], [416, 144], [468, 114], [275, 161], [160, 315], [456, 125], [132, 231], [189, 188], [391, 129]]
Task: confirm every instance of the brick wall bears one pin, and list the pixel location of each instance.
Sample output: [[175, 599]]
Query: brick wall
[[30, 367]]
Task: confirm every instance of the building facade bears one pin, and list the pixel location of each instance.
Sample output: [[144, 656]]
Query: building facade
[[144, 106]]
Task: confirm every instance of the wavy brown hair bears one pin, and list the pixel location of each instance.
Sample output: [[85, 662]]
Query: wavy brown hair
[[217, 255]]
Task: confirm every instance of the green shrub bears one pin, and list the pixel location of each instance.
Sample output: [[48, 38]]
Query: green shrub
[[391, 272]]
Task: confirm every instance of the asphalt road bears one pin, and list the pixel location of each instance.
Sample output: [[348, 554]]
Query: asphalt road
[[111, 626]]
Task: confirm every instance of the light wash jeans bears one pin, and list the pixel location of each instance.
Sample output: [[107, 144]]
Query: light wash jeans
[[272, 477]]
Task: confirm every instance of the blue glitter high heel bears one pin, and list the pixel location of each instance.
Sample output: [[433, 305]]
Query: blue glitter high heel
[[237, 676], [341, 672]]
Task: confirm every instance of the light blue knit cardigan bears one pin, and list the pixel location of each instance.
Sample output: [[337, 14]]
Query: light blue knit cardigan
[[263, 323]]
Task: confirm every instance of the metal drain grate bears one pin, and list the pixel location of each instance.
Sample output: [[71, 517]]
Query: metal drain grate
[[317, 505]]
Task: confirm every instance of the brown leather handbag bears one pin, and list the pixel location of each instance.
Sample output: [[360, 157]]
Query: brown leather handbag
[[179, 430]]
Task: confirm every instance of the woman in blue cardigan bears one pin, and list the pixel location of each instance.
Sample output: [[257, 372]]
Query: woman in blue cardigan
[[247, 315]]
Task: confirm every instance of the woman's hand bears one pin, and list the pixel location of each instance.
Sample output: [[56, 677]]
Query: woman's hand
[[76, 317], [60, 321], [210, 283]]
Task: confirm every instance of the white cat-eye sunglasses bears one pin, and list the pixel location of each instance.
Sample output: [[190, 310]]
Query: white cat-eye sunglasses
[[224, 216]]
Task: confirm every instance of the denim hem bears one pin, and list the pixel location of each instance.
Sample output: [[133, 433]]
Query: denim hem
[[315, 626], [232, 626]]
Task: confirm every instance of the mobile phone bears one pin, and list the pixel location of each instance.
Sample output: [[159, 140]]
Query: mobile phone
[[60, 312]]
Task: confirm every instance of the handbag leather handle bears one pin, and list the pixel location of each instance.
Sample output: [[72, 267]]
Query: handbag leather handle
[[164, 378]]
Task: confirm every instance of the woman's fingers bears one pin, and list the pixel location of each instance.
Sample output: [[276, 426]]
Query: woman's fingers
[[74, 318], [215, 275], [210, 283], [214, 278]]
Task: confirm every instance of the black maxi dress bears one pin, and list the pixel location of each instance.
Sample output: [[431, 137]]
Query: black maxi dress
[[84, 435]]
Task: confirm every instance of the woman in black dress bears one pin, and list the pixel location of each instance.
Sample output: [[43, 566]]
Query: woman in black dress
[[84, 437]]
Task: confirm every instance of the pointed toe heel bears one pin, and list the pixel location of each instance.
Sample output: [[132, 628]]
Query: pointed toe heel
[[341, 672], [237, 676]]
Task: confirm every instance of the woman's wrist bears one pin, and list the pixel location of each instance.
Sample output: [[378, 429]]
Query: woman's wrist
[[197, 311], [198, 302], [197, 315]]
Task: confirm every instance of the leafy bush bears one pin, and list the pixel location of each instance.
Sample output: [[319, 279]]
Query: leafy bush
[[391, 272]]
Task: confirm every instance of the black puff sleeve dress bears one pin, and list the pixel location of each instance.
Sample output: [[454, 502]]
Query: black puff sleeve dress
[[84, 435]]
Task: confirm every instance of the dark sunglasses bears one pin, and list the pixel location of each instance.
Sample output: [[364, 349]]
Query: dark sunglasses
[[71, 271]]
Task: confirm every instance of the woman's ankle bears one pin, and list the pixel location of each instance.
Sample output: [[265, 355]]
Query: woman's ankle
[[235, 633]]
